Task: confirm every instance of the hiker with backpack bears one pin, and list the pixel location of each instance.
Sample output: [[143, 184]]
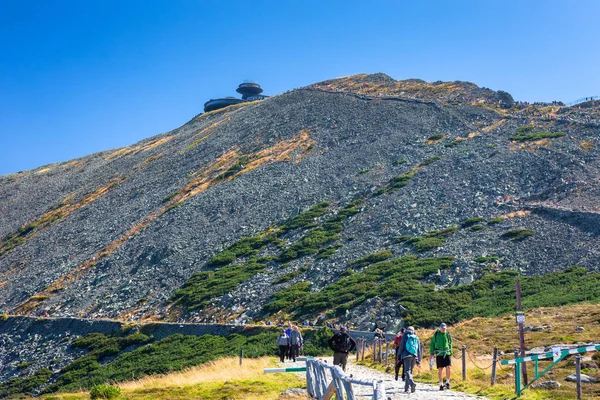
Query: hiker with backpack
[[341, 343], [283, 341], [440, 347], [410, 354]]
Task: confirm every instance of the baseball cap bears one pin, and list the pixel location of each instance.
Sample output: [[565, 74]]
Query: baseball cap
[[342, 328], [442, 325]]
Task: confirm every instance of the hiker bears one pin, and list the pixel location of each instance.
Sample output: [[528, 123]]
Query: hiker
[[410, 353], [288, 332], [398, 362], [441, 347], [341, 344], [295, 342], [379, 335], [283, 341]]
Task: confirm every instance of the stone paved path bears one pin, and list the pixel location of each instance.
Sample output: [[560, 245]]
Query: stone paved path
[[394, 389]]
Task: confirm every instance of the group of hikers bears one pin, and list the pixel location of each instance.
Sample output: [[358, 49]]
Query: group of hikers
[[290, 342], [408, 354], [407, 347]]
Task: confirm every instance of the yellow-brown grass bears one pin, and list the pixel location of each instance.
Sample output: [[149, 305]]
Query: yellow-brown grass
[[218, 380], [130, 150], [586, 145], [216, 371]]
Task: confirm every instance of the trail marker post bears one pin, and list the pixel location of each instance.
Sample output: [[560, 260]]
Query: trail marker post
[[520, 321]]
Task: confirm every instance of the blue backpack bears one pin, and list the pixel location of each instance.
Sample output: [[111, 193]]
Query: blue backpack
[[412, 344]]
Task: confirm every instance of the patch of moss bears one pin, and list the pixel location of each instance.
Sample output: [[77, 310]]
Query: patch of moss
[[496, 220], [475, 228]]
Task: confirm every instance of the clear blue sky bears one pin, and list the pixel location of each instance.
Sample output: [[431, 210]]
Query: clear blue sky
[[78, 77]]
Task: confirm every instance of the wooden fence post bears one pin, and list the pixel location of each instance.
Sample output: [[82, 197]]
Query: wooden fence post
[[374, 349], [387, 353], [364, 347], [578, 375], [494, 361], [241, 355], [464, 363]]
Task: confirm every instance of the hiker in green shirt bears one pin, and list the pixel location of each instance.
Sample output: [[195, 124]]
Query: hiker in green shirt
[[440, 347]]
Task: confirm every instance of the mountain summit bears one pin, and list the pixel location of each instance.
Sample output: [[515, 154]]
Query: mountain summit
[[277, 207]]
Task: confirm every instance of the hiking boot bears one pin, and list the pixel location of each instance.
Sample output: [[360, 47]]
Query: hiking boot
[[413, 388], [396, 377], [441, 387], [447, 385]]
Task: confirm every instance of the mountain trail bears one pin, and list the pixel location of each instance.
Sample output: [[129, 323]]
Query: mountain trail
[[393, 389]]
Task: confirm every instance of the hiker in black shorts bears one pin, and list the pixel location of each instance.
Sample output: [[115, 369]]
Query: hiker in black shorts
[[440, 347]]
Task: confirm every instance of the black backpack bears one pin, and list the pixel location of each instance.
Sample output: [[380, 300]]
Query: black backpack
[[342, 343]]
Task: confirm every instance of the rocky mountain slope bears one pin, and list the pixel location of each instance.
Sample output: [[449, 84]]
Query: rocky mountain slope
[[464, 176]]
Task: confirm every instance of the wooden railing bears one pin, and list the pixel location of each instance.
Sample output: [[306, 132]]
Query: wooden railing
[[324, 380]]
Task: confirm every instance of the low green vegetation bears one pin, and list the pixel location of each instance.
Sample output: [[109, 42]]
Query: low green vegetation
[[25, 364], [400, 280], [476, 228], [328, 251], [471, 221], [526, 134], [486, 259], [517, 234], [399, 162], [100, 347], [290, 275], [174, 353], [453, 143], [104, 392], [430, 240], [385, 279], [395, 183], [244, 247], [371, 259], [494, 221], [205, 285], [18, 386], [430, 161], [229, 269], [437, 136], [306, 219]]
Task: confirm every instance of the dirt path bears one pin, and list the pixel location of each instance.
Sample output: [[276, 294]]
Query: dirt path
[[393, 389]]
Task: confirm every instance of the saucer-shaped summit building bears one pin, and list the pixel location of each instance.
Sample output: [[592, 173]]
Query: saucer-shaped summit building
[[250, 91]]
